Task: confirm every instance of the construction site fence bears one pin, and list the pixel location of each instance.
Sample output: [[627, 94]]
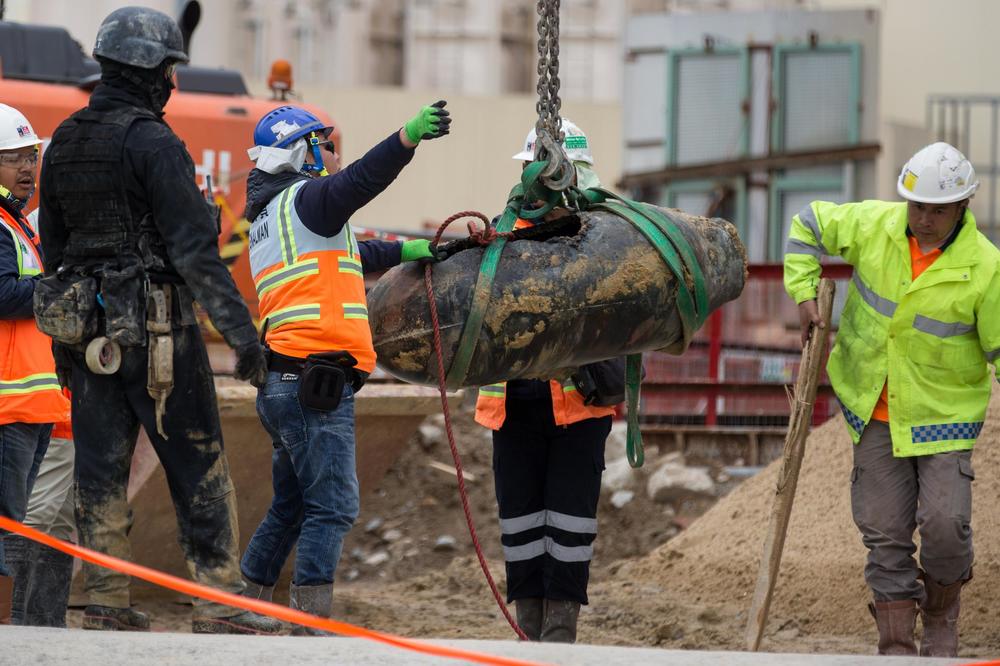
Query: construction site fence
[[743, 362]]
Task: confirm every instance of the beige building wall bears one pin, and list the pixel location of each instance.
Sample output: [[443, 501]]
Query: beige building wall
[[471, 168]]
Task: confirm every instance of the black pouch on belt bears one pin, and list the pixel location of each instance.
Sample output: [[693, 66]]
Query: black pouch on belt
[[323, 379], [123, 292]]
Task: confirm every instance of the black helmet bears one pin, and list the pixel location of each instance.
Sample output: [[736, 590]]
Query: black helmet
[[139, 37]]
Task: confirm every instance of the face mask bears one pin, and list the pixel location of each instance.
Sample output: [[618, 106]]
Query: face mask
[[279, 160]]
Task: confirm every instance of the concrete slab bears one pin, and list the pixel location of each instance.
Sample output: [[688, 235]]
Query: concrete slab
[[23, 645]]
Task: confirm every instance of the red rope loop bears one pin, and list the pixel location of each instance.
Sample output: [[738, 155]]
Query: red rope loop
[[484, 238]]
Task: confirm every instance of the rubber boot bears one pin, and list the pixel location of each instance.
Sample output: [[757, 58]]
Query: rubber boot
[[49, 593], [21, 557], [246, 622], [258, 591], [559, 621], [896, 621], [939, 614], [108, 618], [314, 599], [529, 616], [6, 596]]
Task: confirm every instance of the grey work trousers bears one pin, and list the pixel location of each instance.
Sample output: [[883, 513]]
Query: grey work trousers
[[893, 497], [50, 506]]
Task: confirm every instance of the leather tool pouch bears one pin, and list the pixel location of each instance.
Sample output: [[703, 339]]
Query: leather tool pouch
[[66, 308], [323, 379], [122, 291]]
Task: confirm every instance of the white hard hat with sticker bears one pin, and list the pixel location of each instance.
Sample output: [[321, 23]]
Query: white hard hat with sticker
[[15, 130], [937, 174], [575, 143]]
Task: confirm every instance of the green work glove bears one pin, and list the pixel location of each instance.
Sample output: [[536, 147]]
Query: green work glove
[[430, 123], [418, 250]]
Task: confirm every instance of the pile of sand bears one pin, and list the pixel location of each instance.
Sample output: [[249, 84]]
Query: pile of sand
[[821, 590]]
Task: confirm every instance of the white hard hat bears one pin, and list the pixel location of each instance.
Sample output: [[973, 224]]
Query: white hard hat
[[15, 130], [575, 144], [937, 174]]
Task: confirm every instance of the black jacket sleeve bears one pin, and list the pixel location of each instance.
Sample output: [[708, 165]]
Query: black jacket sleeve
[[182, 217], [379, 255], [15, 294], [326, 204]]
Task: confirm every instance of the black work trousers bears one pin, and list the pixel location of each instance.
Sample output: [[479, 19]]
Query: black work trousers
[[107, 413], [548, 484]]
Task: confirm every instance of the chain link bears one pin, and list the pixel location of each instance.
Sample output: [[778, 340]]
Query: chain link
[[548, 104], [548, 128]]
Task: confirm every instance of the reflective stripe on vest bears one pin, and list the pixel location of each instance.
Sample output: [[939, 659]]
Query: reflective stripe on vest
[[278, 318], [941, 329], [42, 381], [881, 305], [493, 390]]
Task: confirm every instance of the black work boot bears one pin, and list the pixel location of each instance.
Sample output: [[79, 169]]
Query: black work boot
[[559, 622], [939, 614], [246, 622], [49, 592], [107, 618], [529, 616], [21, 555], [896, 621], [314, 599]]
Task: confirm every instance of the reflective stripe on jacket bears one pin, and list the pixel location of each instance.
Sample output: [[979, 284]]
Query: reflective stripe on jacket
[[929, 338], [311, 288], [29, 389], [567, 405]]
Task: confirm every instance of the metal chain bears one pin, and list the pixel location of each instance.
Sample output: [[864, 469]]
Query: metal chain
[[548, 104], [559, 173]]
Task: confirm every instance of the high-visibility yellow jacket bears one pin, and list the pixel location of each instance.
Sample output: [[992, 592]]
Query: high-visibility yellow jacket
[[929, 338]]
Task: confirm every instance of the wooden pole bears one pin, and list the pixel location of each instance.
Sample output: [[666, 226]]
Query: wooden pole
[[791, 463]]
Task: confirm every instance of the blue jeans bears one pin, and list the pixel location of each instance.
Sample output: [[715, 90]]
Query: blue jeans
[[22, 447], [316, 498]]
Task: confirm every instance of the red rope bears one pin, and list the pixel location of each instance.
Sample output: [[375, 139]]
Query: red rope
[[484, 238]]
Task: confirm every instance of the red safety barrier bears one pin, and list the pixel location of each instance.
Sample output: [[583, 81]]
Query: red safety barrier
[[257, 606], [736, 372]]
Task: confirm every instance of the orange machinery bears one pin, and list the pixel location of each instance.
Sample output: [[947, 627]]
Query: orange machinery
[[210, 110]]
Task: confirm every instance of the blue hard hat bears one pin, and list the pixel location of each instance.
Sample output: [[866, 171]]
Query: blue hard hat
[[286, 125]]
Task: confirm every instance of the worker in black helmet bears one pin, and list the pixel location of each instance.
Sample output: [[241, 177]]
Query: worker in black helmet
[[130, 243]]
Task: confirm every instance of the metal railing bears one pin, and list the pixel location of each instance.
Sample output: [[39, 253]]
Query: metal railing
[[964, 121]]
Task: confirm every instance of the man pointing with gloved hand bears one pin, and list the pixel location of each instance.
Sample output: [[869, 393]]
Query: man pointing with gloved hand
[[309, 272]]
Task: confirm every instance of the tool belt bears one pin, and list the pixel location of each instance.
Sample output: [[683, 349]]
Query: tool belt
[[323, 376]]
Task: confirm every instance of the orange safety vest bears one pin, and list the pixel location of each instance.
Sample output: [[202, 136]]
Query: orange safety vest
[[29, 389], [311, 288], [567, 405]]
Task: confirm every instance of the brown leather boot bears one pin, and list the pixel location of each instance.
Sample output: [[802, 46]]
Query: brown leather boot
[[896, 621], [559, 623], [939, 614], [6, 597], [529, 616]]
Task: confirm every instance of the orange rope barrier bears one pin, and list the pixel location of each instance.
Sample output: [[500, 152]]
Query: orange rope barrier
[[257, 606]]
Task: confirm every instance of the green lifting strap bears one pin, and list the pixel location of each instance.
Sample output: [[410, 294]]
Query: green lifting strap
[[633, 437], [469, 339]]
